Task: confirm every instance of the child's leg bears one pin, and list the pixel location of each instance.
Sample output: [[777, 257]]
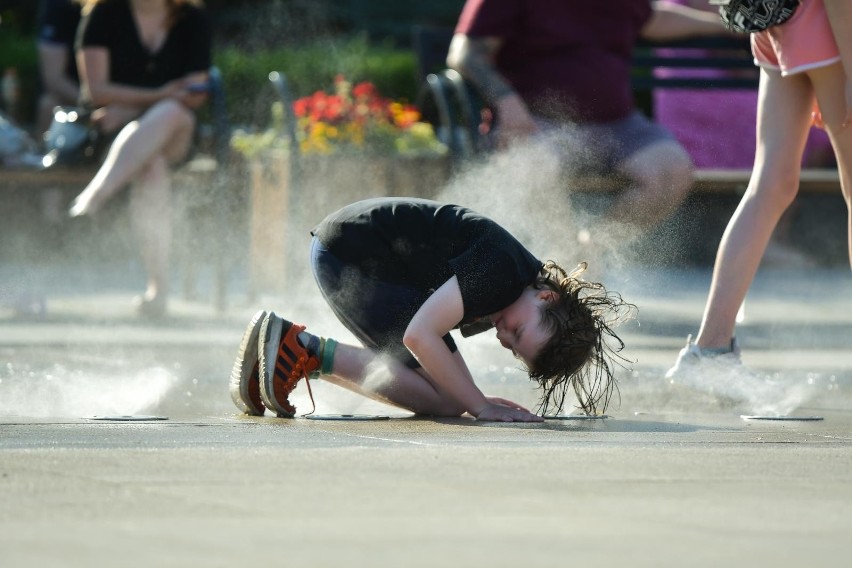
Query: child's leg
[[387, 380], [372, 310], [830, 87], [783, 120]]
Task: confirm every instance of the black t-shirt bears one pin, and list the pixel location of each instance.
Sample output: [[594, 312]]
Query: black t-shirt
[[57, 25], [423, 243], [186, 49]]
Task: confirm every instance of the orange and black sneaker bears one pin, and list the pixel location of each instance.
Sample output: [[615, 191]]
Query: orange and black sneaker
[[283, 363], [245, 382]]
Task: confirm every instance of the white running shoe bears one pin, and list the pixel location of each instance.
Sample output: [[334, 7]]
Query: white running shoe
[[722, 375], [691, 358]]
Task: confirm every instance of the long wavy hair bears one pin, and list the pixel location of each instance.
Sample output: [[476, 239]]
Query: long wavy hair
[[583, 350], [173, 4]]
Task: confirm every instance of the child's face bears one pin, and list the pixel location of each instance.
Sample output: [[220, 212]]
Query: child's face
[[519, 326]]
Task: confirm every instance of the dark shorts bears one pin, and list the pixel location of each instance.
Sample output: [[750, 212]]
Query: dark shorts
[[376, 312], [601, 147]]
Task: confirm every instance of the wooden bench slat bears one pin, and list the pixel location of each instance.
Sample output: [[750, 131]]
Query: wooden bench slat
[[9, 178], [812, 180], [816, 180]]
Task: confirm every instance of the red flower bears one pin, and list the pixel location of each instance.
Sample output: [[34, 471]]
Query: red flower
[[333, 108], [364, 90], [300, 107]]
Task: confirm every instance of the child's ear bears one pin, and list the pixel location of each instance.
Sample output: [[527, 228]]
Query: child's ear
[[548, 295]]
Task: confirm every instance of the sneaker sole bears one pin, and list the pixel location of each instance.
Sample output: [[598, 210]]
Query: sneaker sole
[[247, 358], [270, 337]]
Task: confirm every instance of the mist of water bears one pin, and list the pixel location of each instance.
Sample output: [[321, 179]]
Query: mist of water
[[61, 392], [521, 188]]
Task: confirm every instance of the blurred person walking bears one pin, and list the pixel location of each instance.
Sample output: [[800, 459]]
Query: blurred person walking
[[805, 77]]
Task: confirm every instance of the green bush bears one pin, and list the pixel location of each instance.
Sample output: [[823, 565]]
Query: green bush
[[19, 51], [308, 68]]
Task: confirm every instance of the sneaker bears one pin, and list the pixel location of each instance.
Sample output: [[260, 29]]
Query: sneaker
[[283, 362], [721, 375], [245, 383], [691, 357]]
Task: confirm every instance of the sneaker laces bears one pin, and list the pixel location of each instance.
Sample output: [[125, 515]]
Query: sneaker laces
[[297, 373]]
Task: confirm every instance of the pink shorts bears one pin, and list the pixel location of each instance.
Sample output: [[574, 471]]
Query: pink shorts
[[803, 42]]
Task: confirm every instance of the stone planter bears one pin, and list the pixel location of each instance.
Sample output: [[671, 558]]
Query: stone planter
[[287, 200]]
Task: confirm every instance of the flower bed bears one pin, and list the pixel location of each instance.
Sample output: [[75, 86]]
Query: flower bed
[[353, 144]]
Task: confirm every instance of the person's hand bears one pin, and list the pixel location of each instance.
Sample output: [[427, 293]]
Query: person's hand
[[184, 90], [114, 117], [192, 99], [502, 410], [515, 120], [174, 89]]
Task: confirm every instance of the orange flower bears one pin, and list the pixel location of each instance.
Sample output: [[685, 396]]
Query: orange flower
[[351, 117]]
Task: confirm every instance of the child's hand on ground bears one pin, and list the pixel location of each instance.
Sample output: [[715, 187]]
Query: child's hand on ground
[[502, 410], [505, 402]]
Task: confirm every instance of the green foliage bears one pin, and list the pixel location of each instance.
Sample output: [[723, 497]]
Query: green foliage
[[251, 144], [19, 51], [311, 67], [419, 140]]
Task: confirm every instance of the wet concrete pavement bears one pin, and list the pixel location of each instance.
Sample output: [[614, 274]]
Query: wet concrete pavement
[[669, 479]]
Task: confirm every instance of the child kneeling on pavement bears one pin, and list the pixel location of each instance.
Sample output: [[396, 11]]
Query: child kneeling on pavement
[[400, 273]]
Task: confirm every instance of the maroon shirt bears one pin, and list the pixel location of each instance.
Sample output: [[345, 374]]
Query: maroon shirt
[[568, 59]]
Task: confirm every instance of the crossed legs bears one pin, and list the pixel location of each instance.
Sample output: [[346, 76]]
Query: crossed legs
[[141, 155]]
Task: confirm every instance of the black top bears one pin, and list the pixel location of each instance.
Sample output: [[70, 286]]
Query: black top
[[424, 243], [57, 24], [187, 48]]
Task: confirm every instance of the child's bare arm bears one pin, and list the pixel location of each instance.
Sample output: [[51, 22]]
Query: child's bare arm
[[423, 337]]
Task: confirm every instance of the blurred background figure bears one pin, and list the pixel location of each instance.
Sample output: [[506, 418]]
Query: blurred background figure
[[562, 69], [57, 26], [144, 67]]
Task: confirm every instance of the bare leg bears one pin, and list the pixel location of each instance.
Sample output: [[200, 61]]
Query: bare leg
[[387, 380], [141, 155], [165, 129], [150, 215], [783, 120], [661, 176], [829, 84]]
